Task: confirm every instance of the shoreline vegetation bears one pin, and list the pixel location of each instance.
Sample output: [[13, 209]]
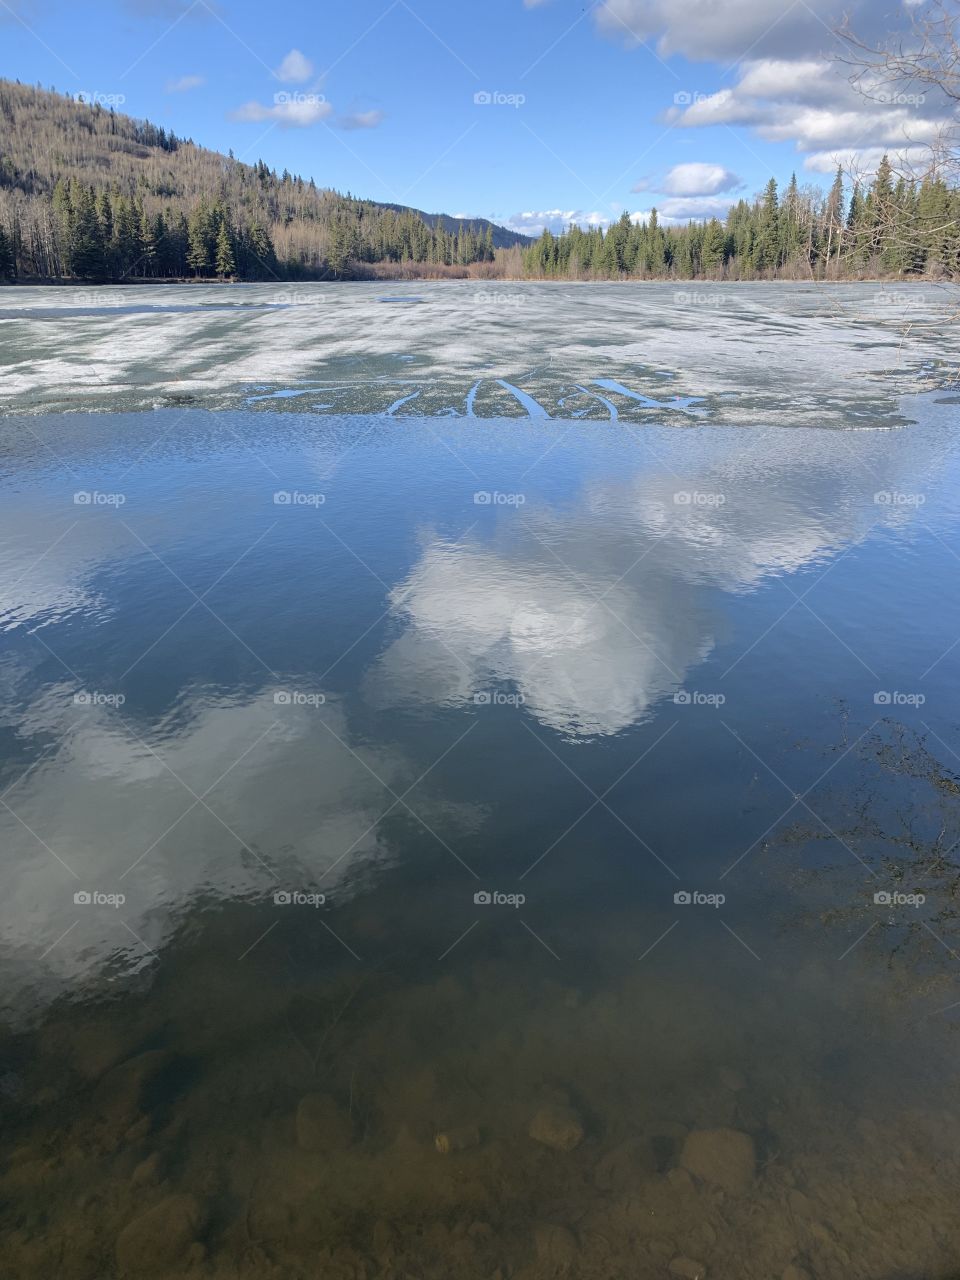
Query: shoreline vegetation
[[108, 199], [455, 276]]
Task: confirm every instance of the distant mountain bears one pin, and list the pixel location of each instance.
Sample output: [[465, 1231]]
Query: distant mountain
[[89, 193], [503, 237]]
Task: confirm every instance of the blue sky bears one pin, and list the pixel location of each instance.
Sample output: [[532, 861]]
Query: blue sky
[[584, 110]]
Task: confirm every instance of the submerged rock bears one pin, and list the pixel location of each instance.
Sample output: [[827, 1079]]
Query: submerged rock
[[556, 1247], [321, 1124], [558, 1127], [160, 1239], [459, 1139], [725, 1158], [688, 1269], [147, 1171], [134, 1085], [624, 1164], [732, 1079]]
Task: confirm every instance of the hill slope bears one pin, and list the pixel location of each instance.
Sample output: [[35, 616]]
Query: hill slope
[[93, 194]]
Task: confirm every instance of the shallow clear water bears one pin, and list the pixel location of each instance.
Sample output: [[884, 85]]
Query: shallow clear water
[[355, 774]]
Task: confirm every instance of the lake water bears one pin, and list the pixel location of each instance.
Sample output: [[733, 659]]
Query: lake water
[[479, 782]]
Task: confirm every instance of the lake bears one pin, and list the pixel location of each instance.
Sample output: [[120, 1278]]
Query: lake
[[480, 781]]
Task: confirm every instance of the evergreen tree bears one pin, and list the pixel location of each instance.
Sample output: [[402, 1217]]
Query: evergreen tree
[[714, 243], [7, 263], [834, 216], [200, 250], [766, 249], [225, 262]]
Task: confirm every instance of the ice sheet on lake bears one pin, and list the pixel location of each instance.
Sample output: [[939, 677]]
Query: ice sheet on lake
[[748, 354]]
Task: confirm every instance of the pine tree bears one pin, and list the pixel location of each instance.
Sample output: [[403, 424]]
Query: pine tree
[[766, 252], [7, 263], [199, 255], [834, 215], [226, 264], [714, 243]]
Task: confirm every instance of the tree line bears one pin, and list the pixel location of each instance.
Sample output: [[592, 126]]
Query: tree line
[[88, 193], [889, 227]]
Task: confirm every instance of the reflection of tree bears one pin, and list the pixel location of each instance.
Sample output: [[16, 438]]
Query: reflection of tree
[[892, 828]]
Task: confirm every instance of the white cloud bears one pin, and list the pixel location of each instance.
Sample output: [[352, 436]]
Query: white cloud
[[863, 161], [677, 211], [698, 179], [184, 84], [295, 68], [293, 111], [814, 106], [475, 615], [733, 30], [533, 222], [360, 120], [790, 86]]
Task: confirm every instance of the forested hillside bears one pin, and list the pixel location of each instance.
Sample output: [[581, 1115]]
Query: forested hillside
[[89, 193], [890, 228]]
